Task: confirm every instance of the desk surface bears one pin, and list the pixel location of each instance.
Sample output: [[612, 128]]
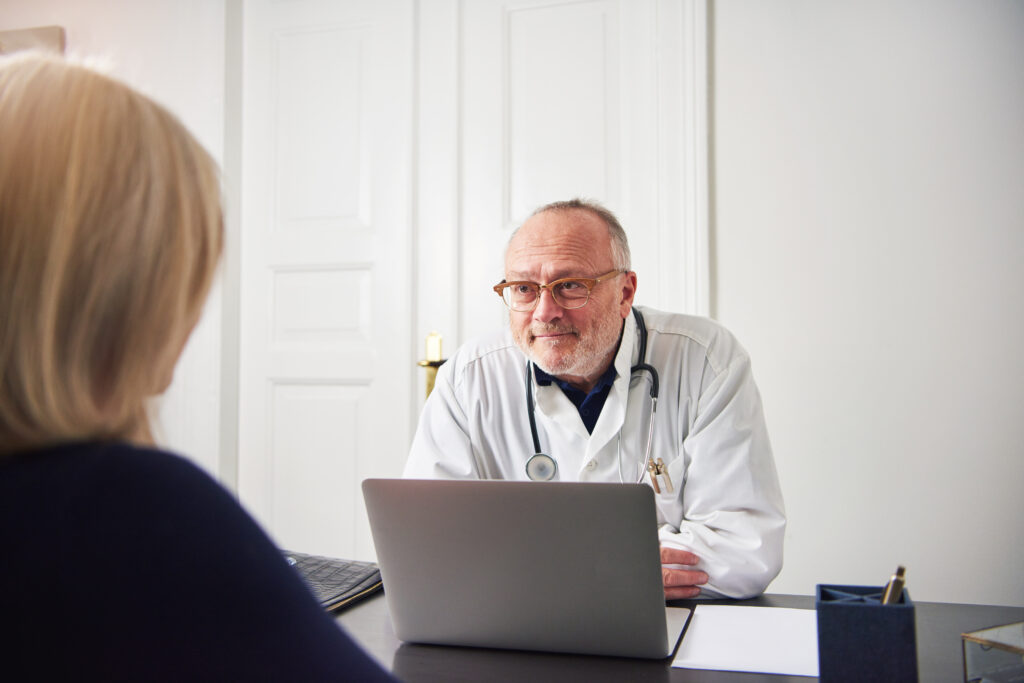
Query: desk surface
[[939, 657]]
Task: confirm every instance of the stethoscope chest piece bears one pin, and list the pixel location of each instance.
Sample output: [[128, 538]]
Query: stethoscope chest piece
[[541, 467]]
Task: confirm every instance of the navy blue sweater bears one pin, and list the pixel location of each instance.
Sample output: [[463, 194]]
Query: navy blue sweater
[[123, 563]]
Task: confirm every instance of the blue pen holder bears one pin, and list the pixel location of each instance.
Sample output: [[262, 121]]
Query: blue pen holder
[[860, 639]]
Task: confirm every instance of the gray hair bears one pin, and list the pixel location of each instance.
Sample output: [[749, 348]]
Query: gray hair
[[620, 245]]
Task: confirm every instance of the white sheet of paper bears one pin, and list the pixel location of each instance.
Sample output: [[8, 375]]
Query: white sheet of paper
[[774, 640]]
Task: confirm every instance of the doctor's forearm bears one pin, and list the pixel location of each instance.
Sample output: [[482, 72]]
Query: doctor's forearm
[[736, 567]]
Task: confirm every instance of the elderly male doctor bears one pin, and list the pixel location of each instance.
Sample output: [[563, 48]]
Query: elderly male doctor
[[573, 339]]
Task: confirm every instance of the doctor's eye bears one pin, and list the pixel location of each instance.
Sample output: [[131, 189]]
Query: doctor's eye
[[523, 289], [572, 293]]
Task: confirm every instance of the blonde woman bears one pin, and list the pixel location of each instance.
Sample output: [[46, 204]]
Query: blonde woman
[[119, 561]]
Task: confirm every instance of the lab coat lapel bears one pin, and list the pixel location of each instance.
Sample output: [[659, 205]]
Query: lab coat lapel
[[553, 403], [614, 412]]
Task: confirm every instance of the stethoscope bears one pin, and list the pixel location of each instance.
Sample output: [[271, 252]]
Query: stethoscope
[[542, 467]]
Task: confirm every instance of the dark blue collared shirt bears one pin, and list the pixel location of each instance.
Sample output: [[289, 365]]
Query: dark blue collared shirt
[[590, 404]]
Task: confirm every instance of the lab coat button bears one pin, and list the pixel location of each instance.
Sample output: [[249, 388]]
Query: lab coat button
[[592, 465]]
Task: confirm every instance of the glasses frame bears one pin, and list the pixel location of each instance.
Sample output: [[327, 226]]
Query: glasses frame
[[588, 282]]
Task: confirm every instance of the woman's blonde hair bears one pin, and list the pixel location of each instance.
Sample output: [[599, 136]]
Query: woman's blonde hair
[[110, 233]]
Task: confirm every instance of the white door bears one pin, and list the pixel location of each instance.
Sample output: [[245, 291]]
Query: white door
[[325, 365]]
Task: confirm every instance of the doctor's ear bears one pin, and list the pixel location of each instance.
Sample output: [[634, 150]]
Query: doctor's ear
[[628, 292]]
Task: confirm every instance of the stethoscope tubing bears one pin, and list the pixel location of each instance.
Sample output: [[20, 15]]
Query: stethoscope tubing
[[541, 466]]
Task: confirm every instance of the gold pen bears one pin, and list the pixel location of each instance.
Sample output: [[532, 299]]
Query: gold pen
[[894, 588], [658, 468]]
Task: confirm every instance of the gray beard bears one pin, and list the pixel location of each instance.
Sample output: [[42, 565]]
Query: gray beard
[[587, 359]]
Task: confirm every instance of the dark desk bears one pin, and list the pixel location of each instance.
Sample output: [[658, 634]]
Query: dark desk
[[939, 658]]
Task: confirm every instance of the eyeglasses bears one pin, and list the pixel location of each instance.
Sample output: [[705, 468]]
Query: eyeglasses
[[569, 292]]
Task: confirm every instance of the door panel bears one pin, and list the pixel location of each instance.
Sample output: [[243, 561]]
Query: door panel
[[326, 332]]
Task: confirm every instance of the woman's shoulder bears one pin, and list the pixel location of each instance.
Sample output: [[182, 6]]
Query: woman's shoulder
[[120, 489], [158, 557], [147, 463], [114, 460], [87, 454]]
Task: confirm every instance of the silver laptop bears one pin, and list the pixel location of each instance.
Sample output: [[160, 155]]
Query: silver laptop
[[552, 566]]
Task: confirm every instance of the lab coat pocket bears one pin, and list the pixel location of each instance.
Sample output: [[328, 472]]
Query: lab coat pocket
[[669, 500]]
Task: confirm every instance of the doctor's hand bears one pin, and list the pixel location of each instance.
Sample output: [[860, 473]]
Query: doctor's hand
[[680, 582]]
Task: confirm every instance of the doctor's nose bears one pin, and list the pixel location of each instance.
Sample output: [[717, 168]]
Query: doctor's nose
[[547, 308]]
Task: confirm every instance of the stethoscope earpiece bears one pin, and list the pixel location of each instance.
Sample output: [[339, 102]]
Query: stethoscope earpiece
[[541, 467]]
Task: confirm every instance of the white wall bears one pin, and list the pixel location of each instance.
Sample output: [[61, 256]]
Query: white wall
[[868, 243], [174, 52]]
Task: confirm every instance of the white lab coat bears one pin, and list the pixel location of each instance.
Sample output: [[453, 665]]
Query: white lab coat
[[709, 428]]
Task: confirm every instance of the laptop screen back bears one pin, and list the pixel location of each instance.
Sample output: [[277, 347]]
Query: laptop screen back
[[553, 566]]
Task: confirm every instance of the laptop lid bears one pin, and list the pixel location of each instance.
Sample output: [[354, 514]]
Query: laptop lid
[[552, 566]]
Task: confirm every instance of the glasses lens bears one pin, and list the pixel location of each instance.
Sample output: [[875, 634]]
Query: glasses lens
[[520, 296], [571, 293]]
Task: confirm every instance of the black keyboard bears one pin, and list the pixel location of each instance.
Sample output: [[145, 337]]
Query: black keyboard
[[336, 583]]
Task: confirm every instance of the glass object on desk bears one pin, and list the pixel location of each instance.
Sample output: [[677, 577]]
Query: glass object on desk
[[993, 655]]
